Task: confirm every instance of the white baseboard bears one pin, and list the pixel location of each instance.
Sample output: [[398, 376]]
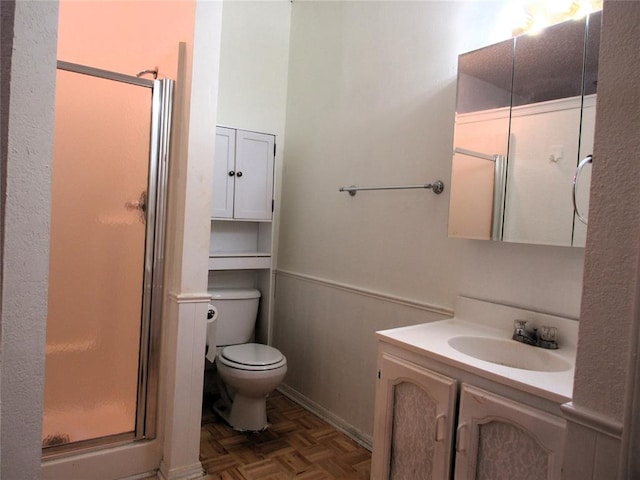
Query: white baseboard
[[356, 435]]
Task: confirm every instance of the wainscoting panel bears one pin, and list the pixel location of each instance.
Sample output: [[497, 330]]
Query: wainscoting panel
[[327, 332]]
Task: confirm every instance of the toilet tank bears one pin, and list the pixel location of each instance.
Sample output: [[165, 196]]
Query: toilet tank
[[237, 312]]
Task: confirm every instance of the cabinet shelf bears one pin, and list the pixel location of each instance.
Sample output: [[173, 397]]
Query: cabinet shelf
[[239, 261], [239, 254], [239, 220]]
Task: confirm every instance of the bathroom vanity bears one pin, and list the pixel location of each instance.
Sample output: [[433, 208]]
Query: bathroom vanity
[[459, 398]]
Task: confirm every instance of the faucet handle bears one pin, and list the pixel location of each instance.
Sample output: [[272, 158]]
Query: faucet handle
[[519, 326], [548, 337], [549, 334]]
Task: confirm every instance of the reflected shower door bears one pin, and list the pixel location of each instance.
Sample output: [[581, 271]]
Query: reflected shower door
[[99, 277]]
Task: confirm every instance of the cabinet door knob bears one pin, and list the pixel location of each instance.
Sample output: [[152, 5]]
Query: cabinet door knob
[[239, 174], [232, 173]]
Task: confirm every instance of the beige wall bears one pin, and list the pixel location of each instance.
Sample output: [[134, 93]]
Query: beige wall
[[371, 102], [253, 65], [254, 62], [371, 99]]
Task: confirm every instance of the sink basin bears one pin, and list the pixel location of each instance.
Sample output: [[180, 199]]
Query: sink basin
[[509, 353]]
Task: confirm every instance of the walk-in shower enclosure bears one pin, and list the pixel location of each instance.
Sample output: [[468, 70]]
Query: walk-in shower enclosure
[[107, 240]]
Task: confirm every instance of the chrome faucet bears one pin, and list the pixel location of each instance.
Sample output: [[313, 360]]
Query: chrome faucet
[[545, 337], [522, 335]]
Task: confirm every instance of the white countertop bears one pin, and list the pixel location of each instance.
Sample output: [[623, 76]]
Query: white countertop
[[431, 340]]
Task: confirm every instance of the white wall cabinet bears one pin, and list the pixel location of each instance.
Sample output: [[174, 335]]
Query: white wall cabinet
[[495, 437], [242, 200], [243, 175]]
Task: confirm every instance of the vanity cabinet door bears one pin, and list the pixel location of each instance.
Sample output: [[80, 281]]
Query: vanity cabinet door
[[414, 420], [499, 439]]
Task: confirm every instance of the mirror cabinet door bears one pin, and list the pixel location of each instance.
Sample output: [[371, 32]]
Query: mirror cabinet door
[[544, 135], [481, 134], [587, 129]]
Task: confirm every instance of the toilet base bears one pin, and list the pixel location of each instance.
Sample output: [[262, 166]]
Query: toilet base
[[244, 414]]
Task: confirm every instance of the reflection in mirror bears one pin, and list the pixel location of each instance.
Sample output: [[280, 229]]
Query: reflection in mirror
[[481, 142], [545, 134], [587, 130], [530, 100]]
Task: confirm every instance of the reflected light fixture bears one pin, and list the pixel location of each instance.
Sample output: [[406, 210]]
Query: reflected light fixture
[[531, 16]]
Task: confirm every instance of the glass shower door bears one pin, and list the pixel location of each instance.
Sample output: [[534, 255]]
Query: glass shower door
[[100, 272]]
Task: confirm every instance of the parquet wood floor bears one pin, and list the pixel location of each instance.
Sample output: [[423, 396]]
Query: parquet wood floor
[[297, 445]]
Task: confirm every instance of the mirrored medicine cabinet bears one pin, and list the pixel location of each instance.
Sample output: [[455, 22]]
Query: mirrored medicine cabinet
[[525, 118]]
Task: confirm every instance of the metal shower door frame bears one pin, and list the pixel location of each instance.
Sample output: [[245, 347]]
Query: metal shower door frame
[[152, 292]]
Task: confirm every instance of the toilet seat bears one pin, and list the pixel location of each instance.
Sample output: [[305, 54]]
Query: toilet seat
[[252, 357]]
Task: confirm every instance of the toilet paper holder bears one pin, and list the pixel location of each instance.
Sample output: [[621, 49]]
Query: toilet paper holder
[[212, 316]]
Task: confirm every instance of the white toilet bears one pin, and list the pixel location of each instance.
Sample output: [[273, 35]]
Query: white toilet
[[251, 370]]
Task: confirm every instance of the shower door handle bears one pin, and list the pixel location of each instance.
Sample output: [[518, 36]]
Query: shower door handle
[[140, 205]]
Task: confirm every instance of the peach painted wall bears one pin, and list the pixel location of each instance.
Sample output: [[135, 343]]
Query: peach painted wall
[[125, 36]]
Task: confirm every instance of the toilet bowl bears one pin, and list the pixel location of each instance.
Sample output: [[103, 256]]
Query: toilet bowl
[[247, 371], [252, 371]]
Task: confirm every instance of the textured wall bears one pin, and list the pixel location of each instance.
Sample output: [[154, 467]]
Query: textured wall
[[611, 263], [607, 363], [29, 141]]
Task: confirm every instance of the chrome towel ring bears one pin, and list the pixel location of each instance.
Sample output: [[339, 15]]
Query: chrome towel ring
[[581, 165]]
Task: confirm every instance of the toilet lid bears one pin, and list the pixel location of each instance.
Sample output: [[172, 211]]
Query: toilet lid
[[253, 355]]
